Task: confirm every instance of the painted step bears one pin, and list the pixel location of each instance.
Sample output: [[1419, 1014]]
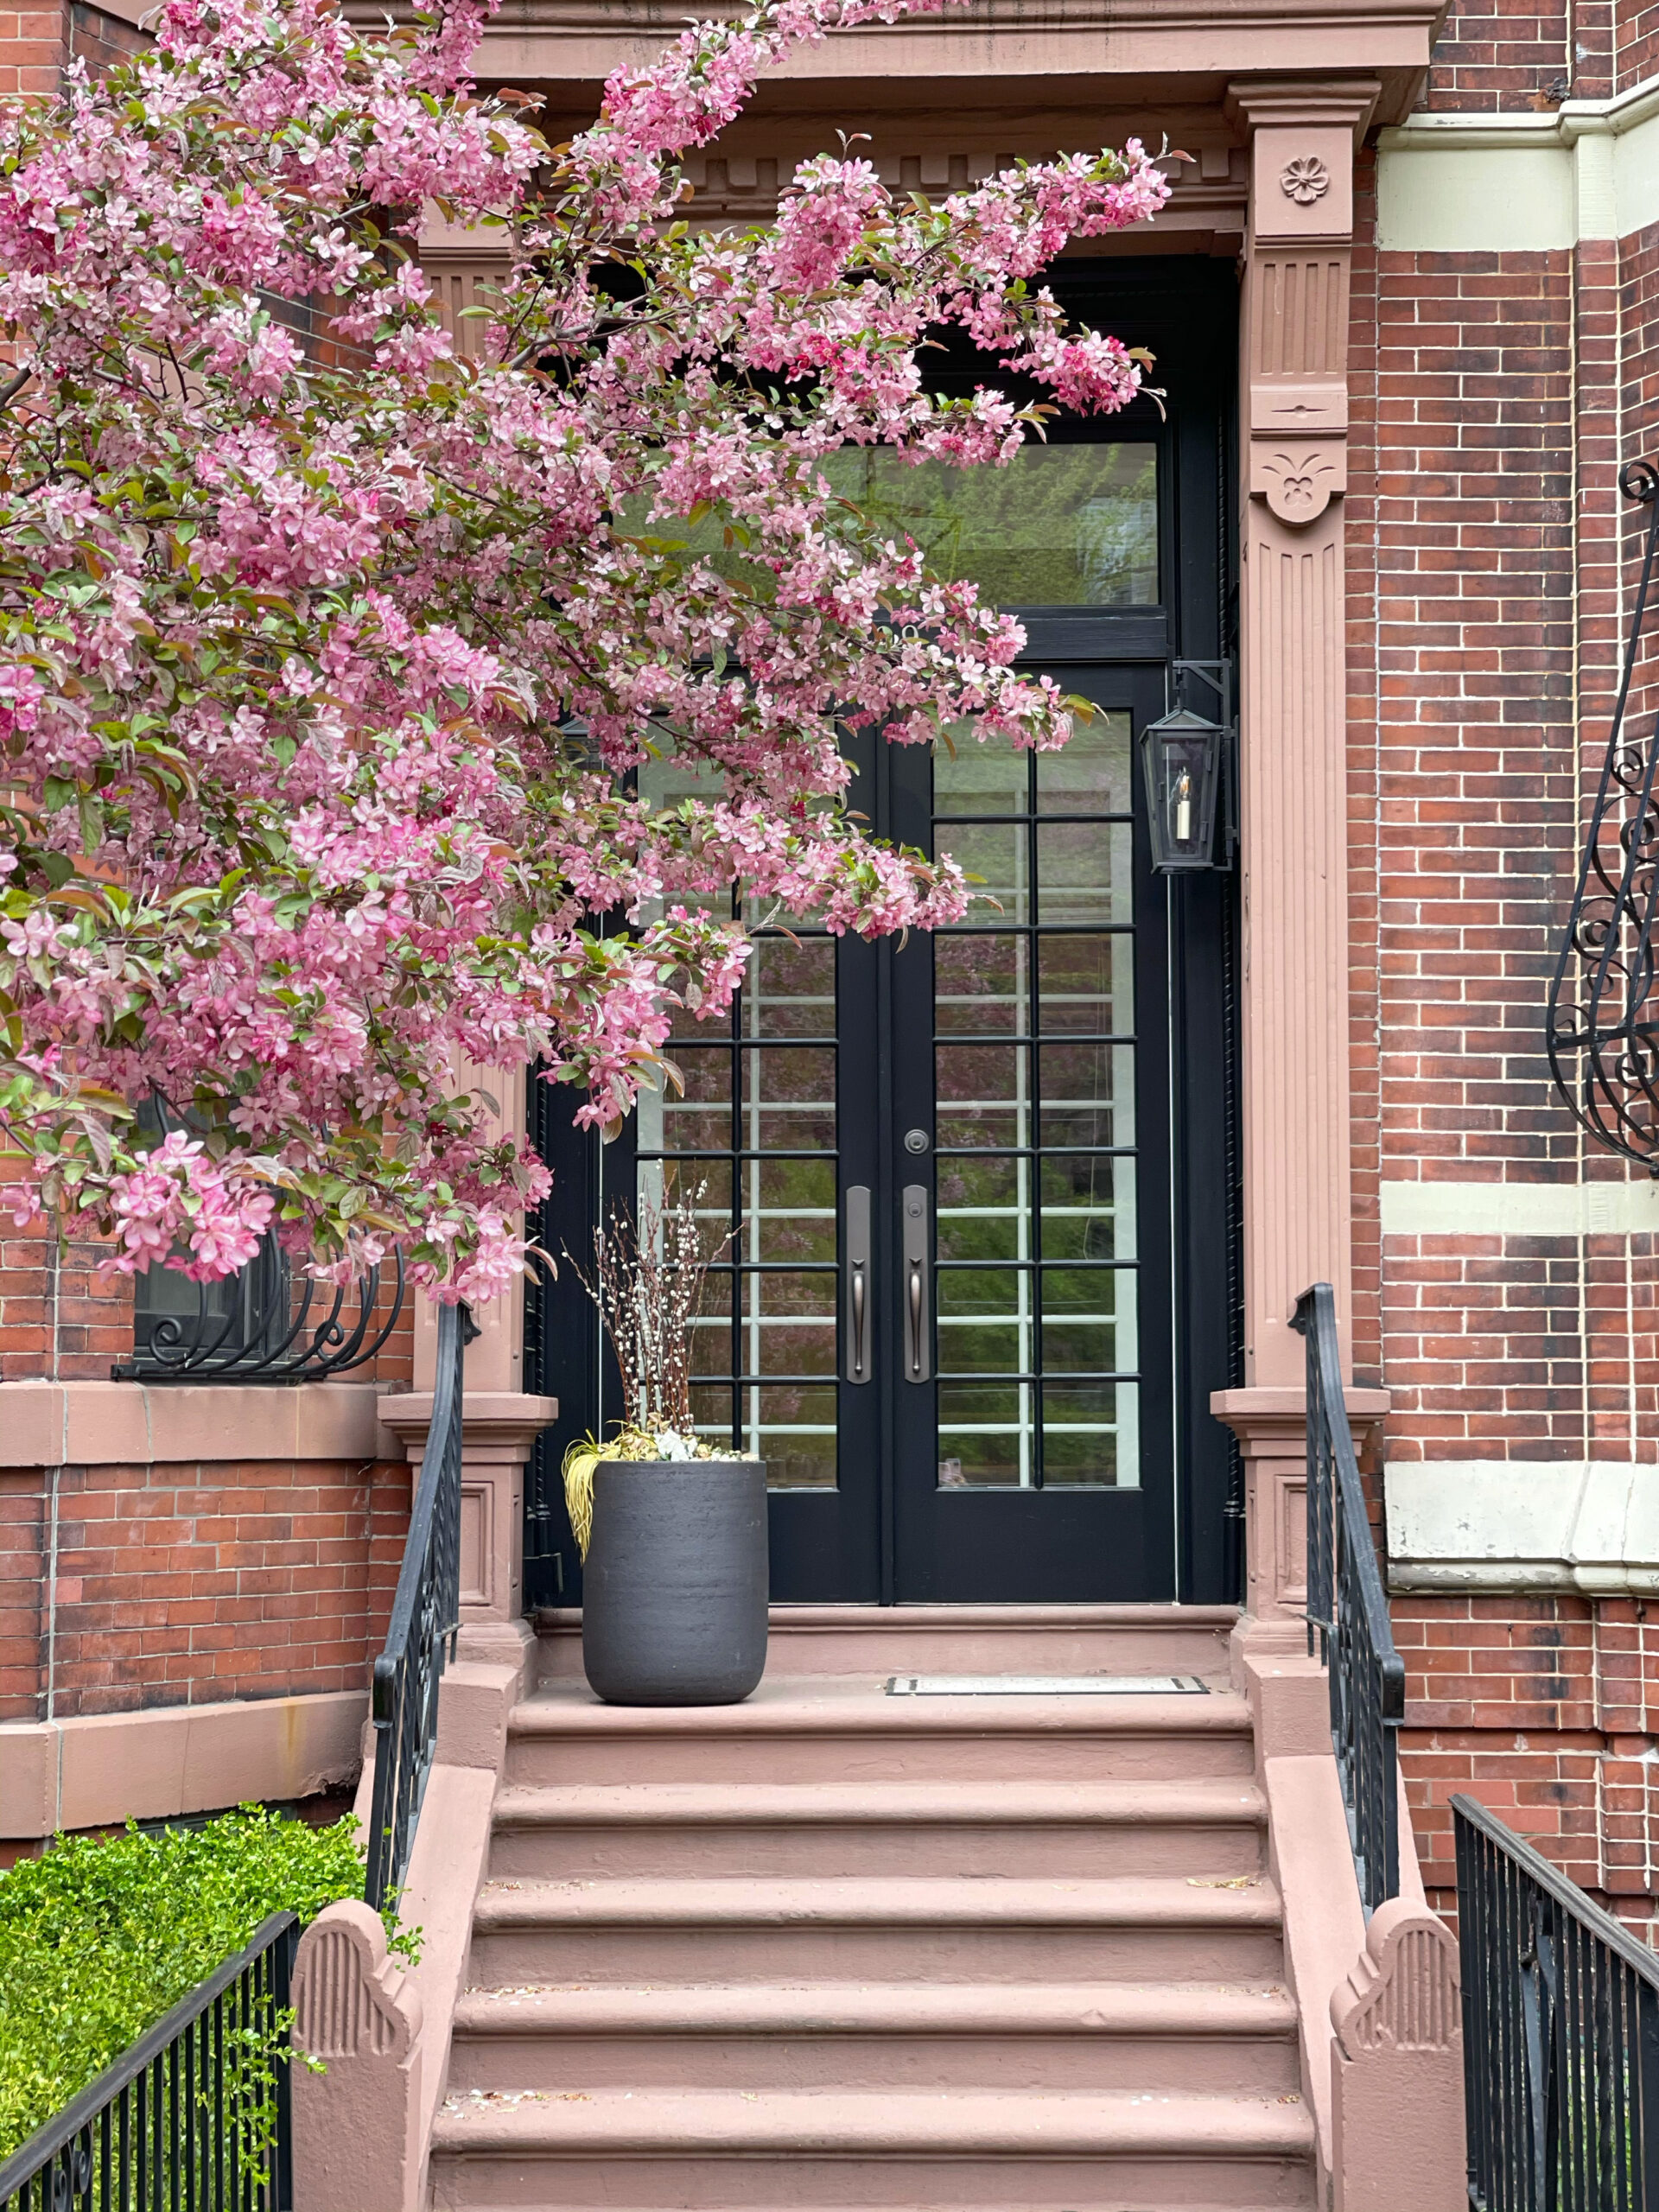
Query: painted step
[[962, 1639], [586, 1832], [1194, 2039], [715, 2152], [840, 1729], [656, 1933]]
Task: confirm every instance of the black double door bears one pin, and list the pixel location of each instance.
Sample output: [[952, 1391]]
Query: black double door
[[975, 1187]]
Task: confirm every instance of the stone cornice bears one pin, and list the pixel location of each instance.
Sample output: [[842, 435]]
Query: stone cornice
[[1561, 126], [509, 1420], [1157, 42], [1502, 183]]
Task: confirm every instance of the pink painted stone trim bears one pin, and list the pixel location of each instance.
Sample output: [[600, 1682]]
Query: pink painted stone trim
[[45, 1424]]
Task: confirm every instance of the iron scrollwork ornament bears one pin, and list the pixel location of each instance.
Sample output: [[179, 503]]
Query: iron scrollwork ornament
[[1602, 1035]]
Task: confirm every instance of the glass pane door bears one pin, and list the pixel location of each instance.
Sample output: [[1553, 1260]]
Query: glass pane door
[[1029, 1097], [752, 1136]]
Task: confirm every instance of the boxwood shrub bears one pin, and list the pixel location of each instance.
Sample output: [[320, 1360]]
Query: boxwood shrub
[[99, 1937]]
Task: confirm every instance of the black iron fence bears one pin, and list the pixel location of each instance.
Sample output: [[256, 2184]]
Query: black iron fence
[[1560, 2036], [1348, 1611], [425, 1615], [195, 2115]]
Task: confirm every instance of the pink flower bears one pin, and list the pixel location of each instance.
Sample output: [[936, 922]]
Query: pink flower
[[392, 695]]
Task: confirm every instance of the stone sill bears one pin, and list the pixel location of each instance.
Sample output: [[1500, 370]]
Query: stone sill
[[1491, 1526], [45, 1424]]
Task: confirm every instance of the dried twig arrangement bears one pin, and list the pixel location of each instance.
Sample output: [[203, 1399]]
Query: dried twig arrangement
[[648, 1281], [649, 1277]]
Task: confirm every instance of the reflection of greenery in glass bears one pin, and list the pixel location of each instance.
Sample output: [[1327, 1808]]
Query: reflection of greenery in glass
[[1059, 526]]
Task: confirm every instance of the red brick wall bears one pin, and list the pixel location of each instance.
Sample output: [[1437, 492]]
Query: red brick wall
[[1492, 400], [187, 1585], [32, 46], [1544, 1709]]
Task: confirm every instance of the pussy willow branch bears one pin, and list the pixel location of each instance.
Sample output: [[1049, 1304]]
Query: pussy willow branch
[[648, 1282]]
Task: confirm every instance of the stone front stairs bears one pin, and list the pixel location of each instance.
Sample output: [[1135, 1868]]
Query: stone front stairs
[[833, 1948]]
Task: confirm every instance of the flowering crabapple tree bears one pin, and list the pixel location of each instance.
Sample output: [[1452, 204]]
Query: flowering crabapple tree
[[328, 651]]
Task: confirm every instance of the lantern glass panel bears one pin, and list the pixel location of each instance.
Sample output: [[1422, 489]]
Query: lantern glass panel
[[1182, 756]]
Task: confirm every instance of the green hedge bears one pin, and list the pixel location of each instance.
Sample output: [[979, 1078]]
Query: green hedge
[[99, 1939]]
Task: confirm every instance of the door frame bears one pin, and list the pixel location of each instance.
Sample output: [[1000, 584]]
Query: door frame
[[1185, 309]]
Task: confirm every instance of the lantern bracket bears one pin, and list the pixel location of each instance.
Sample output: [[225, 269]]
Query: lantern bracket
[[1205, 687]]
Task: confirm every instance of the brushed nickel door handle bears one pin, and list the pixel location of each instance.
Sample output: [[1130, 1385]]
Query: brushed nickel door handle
[[857, 1368], [917, 1259]]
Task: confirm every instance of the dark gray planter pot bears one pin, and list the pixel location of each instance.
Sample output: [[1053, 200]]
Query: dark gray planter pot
[[674, 1587]]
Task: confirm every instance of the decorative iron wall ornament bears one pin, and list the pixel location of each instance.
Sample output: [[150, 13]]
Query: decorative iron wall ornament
[[1603, 1034]]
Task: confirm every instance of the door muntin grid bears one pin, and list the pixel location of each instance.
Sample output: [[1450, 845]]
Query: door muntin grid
[[1035, 1271], [754, 1133]]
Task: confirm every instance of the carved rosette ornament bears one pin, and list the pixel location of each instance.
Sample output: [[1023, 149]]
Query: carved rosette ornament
[[1305, 179]]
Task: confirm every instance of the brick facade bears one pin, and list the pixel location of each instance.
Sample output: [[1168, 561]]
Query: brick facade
[[1490, 567], [187, 1585]]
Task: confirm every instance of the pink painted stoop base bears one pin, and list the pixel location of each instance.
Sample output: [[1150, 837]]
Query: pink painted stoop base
[[831, 1948]]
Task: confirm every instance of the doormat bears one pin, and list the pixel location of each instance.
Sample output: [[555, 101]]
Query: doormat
[[1046, 1685]]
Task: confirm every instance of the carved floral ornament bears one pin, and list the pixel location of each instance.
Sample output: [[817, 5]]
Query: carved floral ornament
[[1305, 179], [1298, 481]]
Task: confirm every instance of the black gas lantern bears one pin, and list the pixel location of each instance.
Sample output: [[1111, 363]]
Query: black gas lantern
[[1186, 760]]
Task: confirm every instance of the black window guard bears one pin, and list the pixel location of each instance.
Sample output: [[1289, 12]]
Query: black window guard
[[1347, 1608], [264, 1325], [425, 1616], [195, 2113], [1560, 2035]]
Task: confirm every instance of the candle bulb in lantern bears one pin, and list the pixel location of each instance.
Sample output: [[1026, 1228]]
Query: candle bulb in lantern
[[1184, 806]]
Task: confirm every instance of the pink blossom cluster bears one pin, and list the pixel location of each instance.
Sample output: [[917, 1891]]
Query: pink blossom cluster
[[329, 654]]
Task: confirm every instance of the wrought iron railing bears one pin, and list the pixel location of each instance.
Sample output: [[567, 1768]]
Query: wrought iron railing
[[196, 2114], [1603, 1031], [425, 1616], [1347, 1610], [1560, 2036], [266, 1324]]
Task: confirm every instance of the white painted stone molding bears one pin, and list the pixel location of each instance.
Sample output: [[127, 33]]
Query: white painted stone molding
[[1520, 183], [1485, 1525], [1600, 1209]]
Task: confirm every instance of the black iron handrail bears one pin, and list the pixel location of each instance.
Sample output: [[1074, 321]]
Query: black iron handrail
[[196, 2113], [425, 1616], [1602, 1029], [275, 1327], [1560, 2035], [1347, 1608]]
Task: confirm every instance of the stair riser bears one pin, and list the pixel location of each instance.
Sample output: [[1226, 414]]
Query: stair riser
[[807, 2180], [869, 1756], [561, 1854], [1164, 2065], [645, 1957], [984, 1650]]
